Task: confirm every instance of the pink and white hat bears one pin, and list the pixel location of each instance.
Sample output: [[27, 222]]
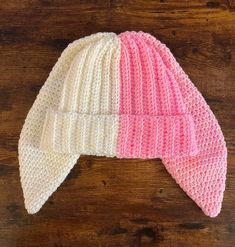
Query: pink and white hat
[[126, 96]]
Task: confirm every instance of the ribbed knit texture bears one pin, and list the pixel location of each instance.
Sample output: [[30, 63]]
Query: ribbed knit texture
[[80, 133], [125, 96]]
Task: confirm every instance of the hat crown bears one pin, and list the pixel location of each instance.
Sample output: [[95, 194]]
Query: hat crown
[[148, 86]]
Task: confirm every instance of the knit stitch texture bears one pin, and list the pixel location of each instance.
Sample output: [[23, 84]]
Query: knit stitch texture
[[126, 96]]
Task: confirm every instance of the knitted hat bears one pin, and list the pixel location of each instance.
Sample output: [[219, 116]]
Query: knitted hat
[[126, 96]]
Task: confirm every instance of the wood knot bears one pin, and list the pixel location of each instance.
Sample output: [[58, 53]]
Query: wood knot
[[146, 235]]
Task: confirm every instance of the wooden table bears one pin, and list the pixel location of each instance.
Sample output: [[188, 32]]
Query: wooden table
[[110, 202]]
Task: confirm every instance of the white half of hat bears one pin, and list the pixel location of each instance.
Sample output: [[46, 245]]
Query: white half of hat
[[42, 171]]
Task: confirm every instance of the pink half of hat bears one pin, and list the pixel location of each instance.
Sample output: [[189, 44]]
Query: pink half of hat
[[185, 133]]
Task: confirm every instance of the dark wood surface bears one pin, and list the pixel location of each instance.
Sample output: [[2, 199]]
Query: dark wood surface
[[108, 202]]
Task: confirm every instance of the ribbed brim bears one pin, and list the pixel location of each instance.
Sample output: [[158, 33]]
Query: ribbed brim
[[124, 136]]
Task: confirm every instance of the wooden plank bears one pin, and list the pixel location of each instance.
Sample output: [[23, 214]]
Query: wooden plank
[[110, 202]]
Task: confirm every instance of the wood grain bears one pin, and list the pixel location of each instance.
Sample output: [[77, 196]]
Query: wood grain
[[108, 202]]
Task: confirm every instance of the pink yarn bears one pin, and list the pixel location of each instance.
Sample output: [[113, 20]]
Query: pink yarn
[[164, 116]]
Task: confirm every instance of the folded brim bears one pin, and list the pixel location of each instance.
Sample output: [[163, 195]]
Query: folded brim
[[124, 136]]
